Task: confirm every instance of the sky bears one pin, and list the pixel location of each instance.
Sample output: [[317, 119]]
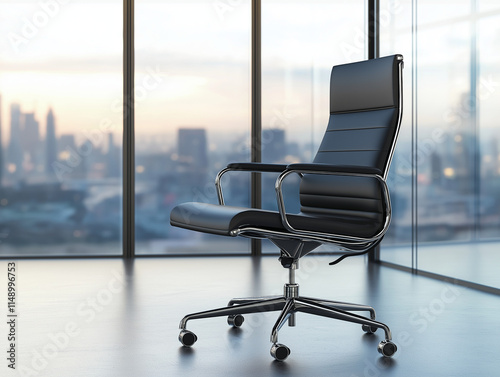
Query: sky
[[199, 55], [193, 61]]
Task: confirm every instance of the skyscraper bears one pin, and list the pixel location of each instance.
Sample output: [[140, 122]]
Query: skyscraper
[[192, 156], [1, 145], [273, 145], [30, 134], [192, 149], [71, 164], [112, 158], [436, 169], [14, 152], [50, 142], [496, 156]]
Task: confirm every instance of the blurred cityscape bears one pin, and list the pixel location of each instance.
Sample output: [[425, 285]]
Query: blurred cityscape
[[66, 188]]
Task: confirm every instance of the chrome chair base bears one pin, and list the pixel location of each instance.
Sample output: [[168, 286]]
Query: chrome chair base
[[289, 304]]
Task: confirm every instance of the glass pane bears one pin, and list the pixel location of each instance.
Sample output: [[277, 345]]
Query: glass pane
[[446, 187], [488, 95], [434, 12], [488, 5], [60, 121], [446, 139], [192, 117], [396, 38], [299, 47], [456, 186]]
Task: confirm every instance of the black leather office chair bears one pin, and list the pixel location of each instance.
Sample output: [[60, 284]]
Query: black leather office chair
[[344, 199]]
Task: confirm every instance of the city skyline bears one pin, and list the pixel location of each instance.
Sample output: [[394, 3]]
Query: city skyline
[[178, 88], [28, 134], [193, 71], [87, 191], [86, 78]]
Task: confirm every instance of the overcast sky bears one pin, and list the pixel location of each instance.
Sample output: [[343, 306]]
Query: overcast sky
[[193, 60]]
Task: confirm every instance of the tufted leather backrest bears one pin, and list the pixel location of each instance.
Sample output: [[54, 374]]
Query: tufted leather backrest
[[362, 129]]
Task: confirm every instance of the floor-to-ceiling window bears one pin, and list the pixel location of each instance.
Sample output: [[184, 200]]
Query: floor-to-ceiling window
[[453, 197], [301, 41], [396, 37], [60, 127], [192, 96], [61, 108]]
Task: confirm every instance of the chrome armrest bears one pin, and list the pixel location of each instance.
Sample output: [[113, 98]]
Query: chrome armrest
[[332, 170], [255, 167]]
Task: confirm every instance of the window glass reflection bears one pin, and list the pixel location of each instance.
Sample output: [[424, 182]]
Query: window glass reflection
[[60, 121], [192, 117]]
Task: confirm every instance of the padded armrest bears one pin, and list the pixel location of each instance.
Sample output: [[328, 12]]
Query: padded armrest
[[304, 168], [257, 167]]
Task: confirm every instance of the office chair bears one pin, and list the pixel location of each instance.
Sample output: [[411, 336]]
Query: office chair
[[344, 200]]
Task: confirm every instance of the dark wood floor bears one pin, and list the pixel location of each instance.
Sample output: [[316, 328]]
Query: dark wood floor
[[103, 317]]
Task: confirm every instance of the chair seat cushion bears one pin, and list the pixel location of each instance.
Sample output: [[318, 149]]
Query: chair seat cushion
[[217, 219]]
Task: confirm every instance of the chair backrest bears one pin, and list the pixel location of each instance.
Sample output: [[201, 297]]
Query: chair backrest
[[365, 115]]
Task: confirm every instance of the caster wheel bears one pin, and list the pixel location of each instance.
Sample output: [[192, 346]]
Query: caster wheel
[[387, 348], [280, 352], [369, 329], [235, 320], [187, 338]]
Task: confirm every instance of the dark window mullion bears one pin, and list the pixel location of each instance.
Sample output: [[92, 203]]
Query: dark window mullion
[[128, 210], [373, 29], [256, 123], [373, 53]]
